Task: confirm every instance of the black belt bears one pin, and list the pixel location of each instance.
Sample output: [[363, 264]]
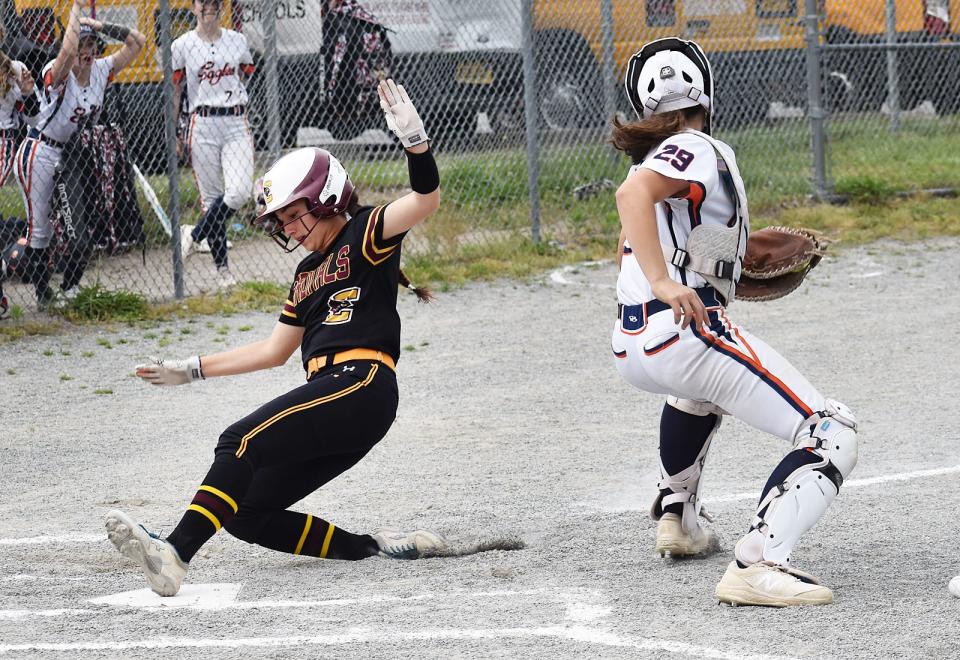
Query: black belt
[[34, 134], [707, 294], [216, 111]]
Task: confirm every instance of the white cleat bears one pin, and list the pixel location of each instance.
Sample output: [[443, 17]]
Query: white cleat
[[158, 559], [187, 245], [408, 545], [770, 584], [674, 541], [225, 279]]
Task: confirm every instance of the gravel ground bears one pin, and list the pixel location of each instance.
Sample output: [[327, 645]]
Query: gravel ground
[[513, 426]]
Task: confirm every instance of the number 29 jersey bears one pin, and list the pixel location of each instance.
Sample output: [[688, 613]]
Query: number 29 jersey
[[686, 157], [346, 297]]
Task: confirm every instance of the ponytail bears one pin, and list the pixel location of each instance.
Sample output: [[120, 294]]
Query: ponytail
[[637, 138]]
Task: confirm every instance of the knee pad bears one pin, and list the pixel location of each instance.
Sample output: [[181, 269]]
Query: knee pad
[[832, 434], [825, 454], [685, 484]]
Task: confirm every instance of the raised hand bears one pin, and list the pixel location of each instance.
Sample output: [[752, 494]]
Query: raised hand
[[402, 118]]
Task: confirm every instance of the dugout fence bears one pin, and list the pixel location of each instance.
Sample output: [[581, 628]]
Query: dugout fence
[[517, 96]]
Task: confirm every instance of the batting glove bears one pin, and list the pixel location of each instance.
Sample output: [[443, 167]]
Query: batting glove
[[171, 372], [402, 117]]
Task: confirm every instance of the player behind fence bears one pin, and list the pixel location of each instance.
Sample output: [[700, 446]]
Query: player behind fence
[[18, 104], [341, 312], [212, 61], [685, 221], [73, 89]]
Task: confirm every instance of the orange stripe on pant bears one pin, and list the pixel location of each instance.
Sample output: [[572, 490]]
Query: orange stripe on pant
[[727, 348]]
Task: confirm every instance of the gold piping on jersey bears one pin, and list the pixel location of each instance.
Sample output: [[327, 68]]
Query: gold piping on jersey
[[376, 255]]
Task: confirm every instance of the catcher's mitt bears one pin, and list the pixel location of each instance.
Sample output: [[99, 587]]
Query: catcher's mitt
[[777, 260]]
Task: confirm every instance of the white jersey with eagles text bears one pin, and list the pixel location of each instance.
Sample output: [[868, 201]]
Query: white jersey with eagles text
[[687, 157], [63, 107], [10, 104], [212, 68]]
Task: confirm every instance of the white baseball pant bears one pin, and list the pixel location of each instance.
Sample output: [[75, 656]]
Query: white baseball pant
[[724, 365], [221, 153], [36, 162]]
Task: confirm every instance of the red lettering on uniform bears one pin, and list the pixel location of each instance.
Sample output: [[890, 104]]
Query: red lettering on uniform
[[211, 75], [343, 263], [309, 282]]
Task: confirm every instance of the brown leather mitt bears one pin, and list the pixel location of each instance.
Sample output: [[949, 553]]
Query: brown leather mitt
[[777, 260]]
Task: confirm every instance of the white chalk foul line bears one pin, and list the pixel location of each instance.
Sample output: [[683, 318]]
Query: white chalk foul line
[[583, 634], [851, 483], [224, 597], [62, 538]]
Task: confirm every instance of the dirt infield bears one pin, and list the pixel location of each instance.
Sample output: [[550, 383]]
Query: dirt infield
[[513, 428]]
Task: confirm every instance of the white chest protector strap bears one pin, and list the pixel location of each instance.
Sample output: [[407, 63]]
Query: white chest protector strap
[[713, 251]]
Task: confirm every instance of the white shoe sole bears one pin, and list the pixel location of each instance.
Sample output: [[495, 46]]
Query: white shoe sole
[[132, 542], [675, 546]]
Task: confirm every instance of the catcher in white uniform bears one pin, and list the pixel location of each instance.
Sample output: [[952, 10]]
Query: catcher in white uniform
[[74, 85], [211, 60], [685, 226]]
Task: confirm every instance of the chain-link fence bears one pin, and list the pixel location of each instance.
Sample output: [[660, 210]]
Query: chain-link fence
[[137, 173]]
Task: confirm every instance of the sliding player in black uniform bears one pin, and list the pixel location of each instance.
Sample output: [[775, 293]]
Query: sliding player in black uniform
[[342, 313]]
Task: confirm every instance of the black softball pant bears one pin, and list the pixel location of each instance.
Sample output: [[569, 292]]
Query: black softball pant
[[285, 450]]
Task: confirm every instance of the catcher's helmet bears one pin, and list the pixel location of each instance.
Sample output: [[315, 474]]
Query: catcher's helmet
[[311, 174], [669, 74]]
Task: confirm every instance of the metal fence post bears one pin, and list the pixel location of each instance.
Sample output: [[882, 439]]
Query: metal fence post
[[609, 83], [893, 83], [170, 135], [272, 87], [530, 113], [818, 142]]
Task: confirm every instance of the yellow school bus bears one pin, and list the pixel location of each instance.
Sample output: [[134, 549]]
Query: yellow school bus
[[756, 48]]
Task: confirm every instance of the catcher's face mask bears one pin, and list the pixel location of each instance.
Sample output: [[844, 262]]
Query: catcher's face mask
[[292, 225]]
